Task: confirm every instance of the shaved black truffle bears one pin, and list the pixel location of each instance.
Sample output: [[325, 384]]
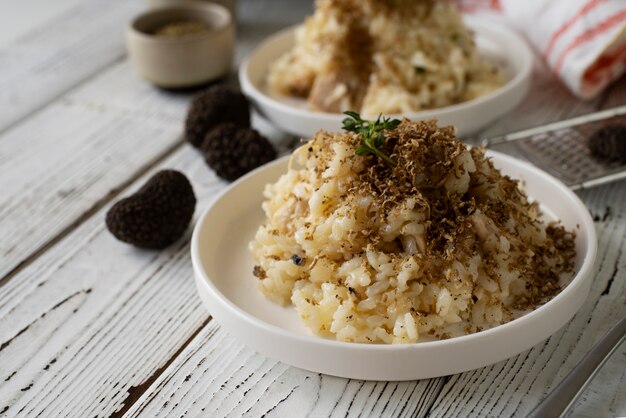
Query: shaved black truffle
[[232, 151], [609, 143], [297, 260], [156, 215], [215, 105]]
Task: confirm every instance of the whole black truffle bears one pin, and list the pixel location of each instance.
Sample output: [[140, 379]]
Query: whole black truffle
[[609, 143], [232, 151], [157, 214], [215, 105]]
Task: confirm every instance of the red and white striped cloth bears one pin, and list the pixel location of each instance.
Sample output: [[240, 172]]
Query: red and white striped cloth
[[583, 41]]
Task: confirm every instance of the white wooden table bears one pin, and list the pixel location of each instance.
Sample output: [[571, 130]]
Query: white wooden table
[[92, 327]]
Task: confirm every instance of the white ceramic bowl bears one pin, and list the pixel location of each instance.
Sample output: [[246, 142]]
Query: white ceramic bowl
[[496, 42], [223, 273]]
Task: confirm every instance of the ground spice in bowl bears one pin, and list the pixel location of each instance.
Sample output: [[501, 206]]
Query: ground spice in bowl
[[181, 29]]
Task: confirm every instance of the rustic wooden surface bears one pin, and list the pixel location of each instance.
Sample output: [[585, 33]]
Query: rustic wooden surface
[[92, 327]]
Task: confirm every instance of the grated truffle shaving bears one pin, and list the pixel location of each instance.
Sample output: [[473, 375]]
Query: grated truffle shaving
[[393, 253]]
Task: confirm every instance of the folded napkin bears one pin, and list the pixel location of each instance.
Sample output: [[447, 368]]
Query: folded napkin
[[583, 41]]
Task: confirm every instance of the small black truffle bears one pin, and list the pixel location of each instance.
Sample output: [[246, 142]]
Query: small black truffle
[[157, 215], [232, 151], [609, 143], [215, 105]]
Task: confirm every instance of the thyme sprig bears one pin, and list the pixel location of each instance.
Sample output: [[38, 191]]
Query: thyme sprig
[[372, 133]]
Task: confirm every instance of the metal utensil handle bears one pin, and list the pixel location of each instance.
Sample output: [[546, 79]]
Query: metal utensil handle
[[563, 396], [590, 117]]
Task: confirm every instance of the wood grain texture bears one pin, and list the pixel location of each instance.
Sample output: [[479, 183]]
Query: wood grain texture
[[73, 156], [60, 348], [42, 65], [93, 327], [93, 319], [95, 137], [219, 377]]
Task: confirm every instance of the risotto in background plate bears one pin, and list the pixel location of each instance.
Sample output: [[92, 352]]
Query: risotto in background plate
[[497, 44], [434, 245], [383, 57]]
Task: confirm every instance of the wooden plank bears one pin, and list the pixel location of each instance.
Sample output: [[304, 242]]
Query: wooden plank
[[20, 18], [42, 65], [513, 387], [70, 158], [87, 327], [119, 89], [219, 377], [116, 126], [76, 332], [91, 324], [90, 321]]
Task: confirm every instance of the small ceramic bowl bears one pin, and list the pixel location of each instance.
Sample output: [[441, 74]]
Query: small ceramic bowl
[[176, 62]]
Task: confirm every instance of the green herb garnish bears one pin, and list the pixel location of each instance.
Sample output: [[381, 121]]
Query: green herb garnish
[[371, 132]]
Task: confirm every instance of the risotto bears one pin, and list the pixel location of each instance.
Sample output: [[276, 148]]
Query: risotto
[[381, 56], [438, 244]]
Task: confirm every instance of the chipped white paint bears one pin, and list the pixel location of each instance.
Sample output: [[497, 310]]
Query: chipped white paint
[[219, 377], [93, 327], [68, 50], [70, 157]]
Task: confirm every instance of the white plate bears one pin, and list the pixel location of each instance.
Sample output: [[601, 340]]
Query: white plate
[[223, 272], [496, 42]]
